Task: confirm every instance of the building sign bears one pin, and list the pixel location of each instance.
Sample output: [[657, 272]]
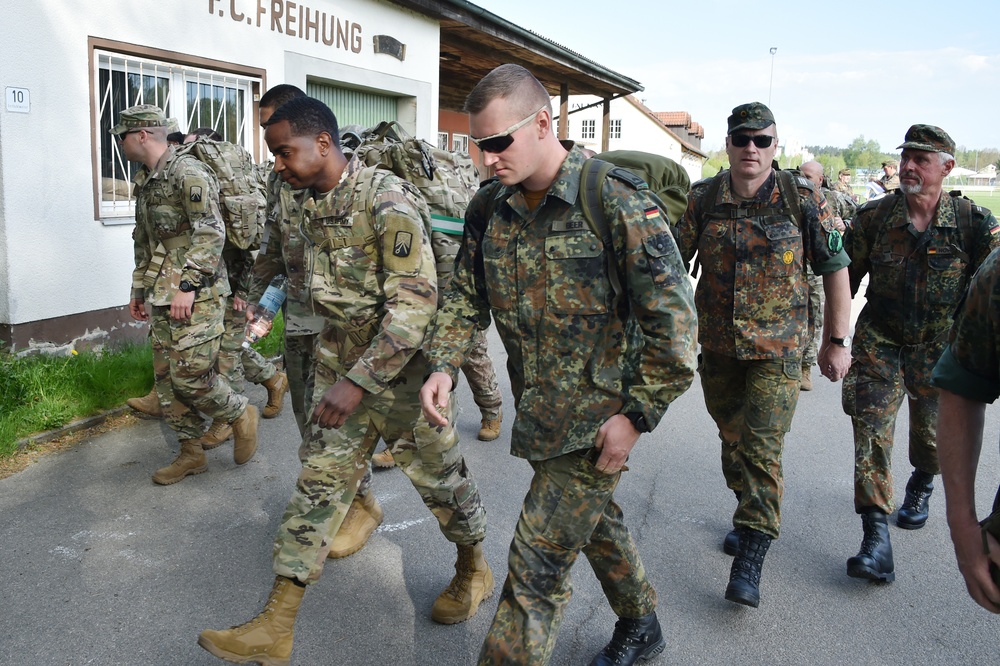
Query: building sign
[[18, 100], [294, 19]]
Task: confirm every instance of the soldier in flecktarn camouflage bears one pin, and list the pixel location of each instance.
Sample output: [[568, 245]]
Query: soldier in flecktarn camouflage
[[919, 247], [755, 229], [531, 261], [180, 286], [373, 278]]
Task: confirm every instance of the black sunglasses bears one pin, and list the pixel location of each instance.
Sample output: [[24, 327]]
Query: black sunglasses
[[497, 143], [743, 140]]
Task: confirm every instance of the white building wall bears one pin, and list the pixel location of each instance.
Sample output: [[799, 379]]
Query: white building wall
[[56, 259], [638, 131]]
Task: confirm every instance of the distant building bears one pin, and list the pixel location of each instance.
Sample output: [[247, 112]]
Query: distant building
[[632, 126]]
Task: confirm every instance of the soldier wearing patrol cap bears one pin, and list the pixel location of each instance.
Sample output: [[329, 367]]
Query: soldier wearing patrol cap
[[890, 176], [754, 230], [843, 184], [919, 247], [180, 286]]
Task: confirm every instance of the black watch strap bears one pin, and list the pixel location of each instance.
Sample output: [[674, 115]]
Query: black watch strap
[[638, 421]]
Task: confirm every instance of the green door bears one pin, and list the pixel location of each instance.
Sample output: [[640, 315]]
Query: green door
[[354, 107]]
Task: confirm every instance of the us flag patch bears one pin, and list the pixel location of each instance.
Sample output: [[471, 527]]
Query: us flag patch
[[403, 243], [652, 212], [195, 194]]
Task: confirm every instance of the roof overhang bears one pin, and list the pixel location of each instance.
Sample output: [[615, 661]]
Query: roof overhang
[[474, 41]]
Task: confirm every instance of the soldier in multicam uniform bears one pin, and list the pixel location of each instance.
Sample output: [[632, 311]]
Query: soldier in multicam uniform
[[284, 251], [754, 229], [890, 176], [919, 248], [843, 210], [968, 376], [180, 286], [843, 185], [236, 363], [530, 260], [372, 276]]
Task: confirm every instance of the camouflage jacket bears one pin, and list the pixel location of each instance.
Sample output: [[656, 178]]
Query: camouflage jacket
[[543, 275], [179, 232], [889, 183], [284, 251], [970, 366], [915, 279], [843, 189], [840, 204], [372, 274], [753, 296]]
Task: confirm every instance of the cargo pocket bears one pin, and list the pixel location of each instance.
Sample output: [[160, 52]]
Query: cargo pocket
[[576, 274], [661, 254]]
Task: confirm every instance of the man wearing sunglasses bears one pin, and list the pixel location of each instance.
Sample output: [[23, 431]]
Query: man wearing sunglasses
[[755, 229], [919, 248], [531, 262]]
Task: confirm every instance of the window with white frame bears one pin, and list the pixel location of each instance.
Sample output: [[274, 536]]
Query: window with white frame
[[588, 129], [195, 96], [443, 140], [460, 143], [615, 129]]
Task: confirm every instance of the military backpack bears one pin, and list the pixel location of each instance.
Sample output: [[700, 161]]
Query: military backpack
[[241, 192], [447, 181]]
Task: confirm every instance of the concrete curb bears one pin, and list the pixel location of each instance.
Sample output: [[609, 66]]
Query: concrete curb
[[70, 428]]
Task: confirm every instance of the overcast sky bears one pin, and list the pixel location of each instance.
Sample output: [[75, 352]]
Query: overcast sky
[[840, 70]]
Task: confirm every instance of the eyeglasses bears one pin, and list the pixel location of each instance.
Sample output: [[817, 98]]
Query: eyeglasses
[[497, 143], [759, 140], [121, 137]]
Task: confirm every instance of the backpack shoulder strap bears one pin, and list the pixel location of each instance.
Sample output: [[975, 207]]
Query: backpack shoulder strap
[[788, 185], [493, 190]]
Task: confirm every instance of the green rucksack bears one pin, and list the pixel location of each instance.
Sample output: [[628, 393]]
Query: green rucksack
[[241, 192], [447, 180], [666, 179]]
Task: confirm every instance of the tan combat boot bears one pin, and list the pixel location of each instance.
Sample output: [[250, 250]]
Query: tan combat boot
[[245, 435], [276, 387], [472, 584], [148, 404], [266, 639], [364, 516], [383, 458], [490, 428], [806, 382], [217, 434], [190, 461]]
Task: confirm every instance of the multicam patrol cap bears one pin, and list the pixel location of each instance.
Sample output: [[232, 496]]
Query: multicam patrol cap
[[891, 163], [929, 138], [844, 172], [753, 116], [139, 117]]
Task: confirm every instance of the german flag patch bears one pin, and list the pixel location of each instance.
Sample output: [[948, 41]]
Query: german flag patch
[[995, 228], [651, 213]]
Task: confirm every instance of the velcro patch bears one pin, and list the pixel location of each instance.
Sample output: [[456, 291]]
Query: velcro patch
[[195, 194], [995, 229], [402, 244], [652, 213]]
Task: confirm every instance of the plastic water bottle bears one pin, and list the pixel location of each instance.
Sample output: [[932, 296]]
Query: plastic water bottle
[[264, 313]]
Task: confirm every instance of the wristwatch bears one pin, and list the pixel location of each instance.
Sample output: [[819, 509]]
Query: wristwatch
[[841, 342], [638, 421], [187, 287]]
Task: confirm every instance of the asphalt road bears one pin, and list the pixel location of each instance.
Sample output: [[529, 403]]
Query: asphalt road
[[101, 566]]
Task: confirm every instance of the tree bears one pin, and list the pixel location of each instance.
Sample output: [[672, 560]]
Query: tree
[[863, 154], [832, 164]]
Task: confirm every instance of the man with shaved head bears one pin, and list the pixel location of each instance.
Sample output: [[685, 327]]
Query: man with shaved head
[[532, 262]]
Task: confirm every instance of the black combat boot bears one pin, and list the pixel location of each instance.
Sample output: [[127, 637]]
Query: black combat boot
[[634, 640], [913, 514], [874, 560], [744, 577]]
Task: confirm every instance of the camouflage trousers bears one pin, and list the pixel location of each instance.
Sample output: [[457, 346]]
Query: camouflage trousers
[[569, 508], [811, 351], [300, 361], [184, 358], [236, 363], [752, 403], [482, 378], [335, 461], [881, 375]]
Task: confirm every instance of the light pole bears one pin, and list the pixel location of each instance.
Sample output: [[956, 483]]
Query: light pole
[[774, 49]]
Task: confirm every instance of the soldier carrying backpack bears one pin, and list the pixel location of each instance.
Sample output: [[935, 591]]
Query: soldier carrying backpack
[[447, 180]]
